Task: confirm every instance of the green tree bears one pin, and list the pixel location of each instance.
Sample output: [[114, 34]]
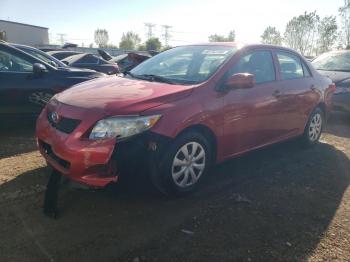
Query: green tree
[[153, 44], [301, 33], [220, 38], [271, 36], [344, 13], [327, 33], [101, 37], [217, 38], [231, 36], [129, 41], [142, 47]]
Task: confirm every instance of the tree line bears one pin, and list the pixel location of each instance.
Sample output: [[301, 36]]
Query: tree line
[[307, 33], [312, 35], [129, 41]]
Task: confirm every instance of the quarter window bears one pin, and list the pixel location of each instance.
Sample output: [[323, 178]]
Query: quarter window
[[306, 70], [11, 63], [259, 63], [290, 66]]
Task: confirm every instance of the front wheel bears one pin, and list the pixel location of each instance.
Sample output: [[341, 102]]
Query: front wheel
[[314, 127], [185, 163]]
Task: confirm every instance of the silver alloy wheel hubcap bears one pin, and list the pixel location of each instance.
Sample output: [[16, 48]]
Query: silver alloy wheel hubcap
[[315, 127], [188, 164]]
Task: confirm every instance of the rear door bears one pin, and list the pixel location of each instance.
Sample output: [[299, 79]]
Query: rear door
[[297, 91]]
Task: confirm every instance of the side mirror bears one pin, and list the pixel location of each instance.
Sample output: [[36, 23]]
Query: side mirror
[[240, 80], [39, 69]]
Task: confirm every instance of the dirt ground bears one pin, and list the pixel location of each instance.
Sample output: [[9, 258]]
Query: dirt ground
[[283, 203]]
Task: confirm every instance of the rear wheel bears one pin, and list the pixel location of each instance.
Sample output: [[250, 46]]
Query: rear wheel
[[314, 127], [185, 163]]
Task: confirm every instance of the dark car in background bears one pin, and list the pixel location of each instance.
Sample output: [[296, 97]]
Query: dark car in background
[[126, 61], [62, 54], [336, 65], [91, 61], [27, 83]]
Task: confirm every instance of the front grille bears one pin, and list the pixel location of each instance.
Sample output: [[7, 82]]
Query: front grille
[[65, 125], [48, 150]]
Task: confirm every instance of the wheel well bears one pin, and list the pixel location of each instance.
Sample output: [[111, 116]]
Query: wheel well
[[207, 133], [322, 106]]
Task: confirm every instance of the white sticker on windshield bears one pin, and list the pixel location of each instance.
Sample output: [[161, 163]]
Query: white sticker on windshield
[[214, 52]]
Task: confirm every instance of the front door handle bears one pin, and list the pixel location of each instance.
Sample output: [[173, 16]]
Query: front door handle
[[276, 93]]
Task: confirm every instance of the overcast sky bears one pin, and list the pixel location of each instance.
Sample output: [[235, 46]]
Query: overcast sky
[[191, 20]]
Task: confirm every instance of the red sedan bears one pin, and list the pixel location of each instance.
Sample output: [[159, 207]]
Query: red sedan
[[182, 111]]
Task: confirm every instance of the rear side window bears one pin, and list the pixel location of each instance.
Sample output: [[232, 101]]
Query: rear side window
[[259, 63], [290, 66]]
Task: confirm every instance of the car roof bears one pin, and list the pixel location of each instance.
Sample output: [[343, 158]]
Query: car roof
[[64, 51], [242, 45]]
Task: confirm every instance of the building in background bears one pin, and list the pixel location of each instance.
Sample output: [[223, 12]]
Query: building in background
[[23, 33]]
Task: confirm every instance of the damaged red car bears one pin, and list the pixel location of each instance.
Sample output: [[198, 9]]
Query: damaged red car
[[182, 111]]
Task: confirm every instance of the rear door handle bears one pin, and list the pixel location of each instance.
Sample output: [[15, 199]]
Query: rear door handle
[[276, 93], [312, 87]]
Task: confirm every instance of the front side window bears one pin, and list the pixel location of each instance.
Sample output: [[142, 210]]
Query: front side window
[[290, 66], [258, 63], [185, 64], [11, 63]]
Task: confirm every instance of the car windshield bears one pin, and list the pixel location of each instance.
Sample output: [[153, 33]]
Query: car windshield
[[47, 59], [333, 61], [184, 65]]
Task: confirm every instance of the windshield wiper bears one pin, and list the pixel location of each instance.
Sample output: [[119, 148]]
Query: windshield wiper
[[157, 78], [129, 73], [335, 70]]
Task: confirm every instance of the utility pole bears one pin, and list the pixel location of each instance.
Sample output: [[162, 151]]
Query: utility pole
[[149, 32], [61, 38], [166, 34]]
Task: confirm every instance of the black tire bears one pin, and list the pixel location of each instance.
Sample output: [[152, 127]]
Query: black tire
[[312, 134], [165, 181]]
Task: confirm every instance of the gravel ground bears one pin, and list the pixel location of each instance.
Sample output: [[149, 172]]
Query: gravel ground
[[283, 203]]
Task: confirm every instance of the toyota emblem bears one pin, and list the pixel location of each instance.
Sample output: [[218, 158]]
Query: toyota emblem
[[54, 117]]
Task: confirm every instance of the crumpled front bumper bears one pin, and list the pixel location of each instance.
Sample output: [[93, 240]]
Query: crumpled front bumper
[[74, 155]]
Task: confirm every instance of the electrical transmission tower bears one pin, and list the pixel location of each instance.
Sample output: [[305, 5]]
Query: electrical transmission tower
[[149, 32], [166, 34], [61, 38]]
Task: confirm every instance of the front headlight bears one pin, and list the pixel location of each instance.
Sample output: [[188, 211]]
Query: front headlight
[[121, 127]]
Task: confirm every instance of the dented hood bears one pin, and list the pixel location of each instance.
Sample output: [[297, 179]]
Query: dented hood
[[117, 95]]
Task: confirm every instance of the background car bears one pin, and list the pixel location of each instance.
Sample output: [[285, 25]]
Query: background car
[[91, 61], [62, 54], [126, 61], [27, 83], [336, 65]]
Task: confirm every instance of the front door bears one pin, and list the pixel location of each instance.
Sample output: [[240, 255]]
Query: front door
[[19, 87], [250, 114]]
